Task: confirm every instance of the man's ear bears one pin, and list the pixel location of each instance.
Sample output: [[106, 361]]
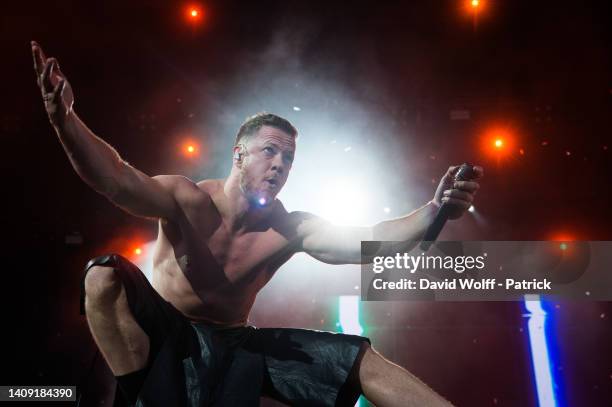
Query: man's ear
[[239, 152]]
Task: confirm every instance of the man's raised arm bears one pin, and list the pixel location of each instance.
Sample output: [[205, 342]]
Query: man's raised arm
[[335, 244], [95, 161]]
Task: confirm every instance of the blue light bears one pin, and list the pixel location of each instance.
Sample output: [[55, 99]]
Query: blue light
[[540, 357]]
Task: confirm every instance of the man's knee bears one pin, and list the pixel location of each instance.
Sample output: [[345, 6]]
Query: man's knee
[[102, 285], [373, 365]]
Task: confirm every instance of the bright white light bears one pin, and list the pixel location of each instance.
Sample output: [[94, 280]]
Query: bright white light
[[342, 201], [471, 209], [349, 314], [262, 201], [296, 108], [387, 209]]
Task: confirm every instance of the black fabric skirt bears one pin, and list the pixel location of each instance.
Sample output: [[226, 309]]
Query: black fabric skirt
[[196, 364]]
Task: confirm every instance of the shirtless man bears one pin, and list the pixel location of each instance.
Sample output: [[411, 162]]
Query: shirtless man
[[219, 243]]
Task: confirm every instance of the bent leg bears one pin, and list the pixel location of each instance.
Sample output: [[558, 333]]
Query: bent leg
[[122, 342], [386, 384]]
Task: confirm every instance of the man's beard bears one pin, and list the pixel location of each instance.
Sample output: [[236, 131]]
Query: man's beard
[[255, 197]]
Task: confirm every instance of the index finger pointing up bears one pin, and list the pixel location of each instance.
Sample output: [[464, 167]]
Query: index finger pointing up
[[39, 58]]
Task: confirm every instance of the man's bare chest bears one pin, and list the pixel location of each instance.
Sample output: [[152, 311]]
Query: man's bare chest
[[210, 255], [252, 252]]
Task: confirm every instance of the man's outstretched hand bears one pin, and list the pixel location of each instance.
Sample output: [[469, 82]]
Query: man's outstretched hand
[[459, 195], [55, 89]]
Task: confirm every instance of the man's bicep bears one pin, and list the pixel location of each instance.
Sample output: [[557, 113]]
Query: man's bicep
[[333, 244], [146, 196]]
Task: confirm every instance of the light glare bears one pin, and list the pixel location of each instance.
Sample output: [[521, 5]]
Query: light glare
[[343, 201], [540, 357], [349, 314]]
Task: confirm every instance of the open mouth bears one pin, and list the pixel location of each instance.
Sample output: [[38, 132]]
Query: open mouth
[[273, 182]]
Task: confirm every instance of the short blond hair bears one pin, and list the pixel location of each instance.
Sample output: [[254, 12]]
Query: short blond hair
[[253, 123]]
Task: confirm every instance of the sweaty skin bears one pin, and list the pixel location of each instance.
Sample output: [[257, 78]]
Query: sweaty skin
[[220, 241], [211, 264], [209, 272]]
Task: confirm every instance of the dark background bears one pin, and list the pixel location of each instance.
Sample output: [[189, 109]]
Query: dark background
[[542, 68]]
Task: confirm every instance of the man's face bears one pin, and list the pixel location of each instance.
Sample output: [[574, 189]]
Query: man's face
[[266, 164]]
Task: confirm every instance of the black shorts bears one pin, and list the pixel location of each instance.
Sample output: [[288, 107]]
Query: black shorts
[[194, 364]]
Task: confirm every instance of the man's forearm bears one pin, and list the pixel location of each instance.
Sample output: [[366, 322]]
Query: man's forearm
[[94, 160], [407, 228]]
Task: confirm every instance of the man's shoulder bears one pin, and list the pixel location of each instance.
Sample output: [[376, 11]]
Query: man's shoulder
[[211, 186], [184, 189], [171, 180]]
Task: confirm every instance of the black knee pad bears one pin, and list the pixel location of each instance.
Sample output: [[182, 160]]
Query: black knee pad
[[108, 260]]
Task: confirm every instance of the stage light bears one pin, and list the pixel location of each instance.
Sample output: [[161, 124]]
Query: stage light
[[562, 237], [473, 6], [348, 315], [471, 209], [498, 142], [190, 148], [342, 201], [194, 13], [134, 248], [541, 358], [473, 9], [143, 258]]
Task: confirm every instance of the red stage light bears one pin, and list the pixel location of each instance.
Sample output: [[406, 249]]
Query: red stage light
[[194, 13], [472, 7], [498, 142], [138, 251], [190, 148], [562, 237]]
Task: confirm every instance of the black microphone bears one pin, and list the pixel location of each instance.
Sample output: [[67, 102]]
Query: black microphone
[[465, 173]]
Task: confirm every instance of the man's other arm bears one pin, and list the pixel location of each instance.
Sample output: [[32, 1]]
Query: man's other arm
[[336, 244]]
